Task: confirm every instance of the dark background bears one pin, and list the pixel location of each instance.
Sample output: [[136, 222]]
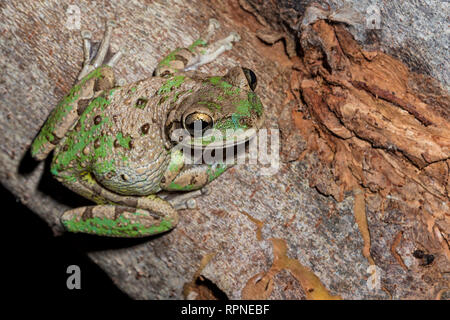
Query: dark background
[[36, 261]]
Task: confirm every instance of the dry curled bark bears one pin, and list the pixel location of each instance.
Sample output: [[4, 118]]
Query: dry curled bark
[[353, 190]]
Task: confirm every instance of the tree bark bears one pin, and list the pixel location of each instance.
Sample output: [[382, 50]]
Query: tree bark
[[364, 173]]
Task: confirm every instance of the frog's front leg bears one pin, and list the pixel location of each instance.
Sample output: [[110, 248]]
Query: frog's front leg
[[92, 80], [198, 53], [182, 177], [115, 215]]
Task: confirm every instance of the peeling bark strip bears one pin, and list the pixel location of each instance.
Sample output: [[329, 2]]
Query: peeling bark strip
[[395, 243], [260, 286], [359, 211], [375, 130]]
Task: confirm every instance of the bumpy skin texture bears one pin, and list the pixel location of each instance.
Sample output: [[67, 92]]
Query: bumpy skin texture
[[113, 146]]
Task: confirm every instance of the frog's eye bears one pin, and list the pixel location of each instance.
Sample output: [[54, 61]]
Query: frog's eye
[[197, 123], [251, 78]]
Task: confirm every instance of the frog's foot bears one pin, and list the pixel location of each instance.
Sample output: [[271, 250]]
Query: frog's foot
[[94, 60], [197, 54], [117, 221], [184, 200], [212, 51]]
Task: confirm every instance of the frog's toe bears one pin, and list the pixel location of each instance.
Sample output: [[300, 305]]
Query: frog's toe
[[86, 34], [186, 204], [214, 23], [191, 204], [235, 37], [184, 200], [111, 23], [227, 46], [116, 57]]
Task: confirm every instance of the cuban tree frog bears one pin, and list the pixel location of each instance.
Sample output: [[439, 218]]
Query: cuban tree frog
[[112, 144]]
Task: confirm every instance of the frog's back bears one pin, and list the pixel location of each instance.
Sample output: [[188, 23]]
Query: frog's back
[[138, 157]]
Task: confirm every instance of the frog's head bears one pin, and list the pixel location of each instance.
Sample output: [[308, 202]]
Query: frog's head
[[221, 111]]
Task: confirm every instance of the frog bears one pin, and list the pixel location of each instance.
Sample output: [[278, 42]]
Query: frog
[[113, 143]]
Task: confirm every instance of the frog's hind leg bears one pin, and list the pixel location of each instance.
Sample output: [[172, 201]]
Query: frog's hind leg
[[115, 215], [197, 54], [117, 221]]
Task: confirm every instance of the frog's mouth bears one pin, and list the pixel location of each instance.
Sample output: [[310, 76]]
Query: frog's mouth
[[216, 139]]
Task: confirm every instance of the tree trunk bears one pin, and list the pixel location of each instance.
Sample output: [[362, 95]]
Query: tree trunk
[[362, 191]]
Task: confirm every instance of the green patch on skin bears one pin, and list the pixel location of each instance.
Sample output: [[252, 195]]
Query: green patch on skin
[[230, 123], [217, 170], [104, 166], [153, 197], [123, 141], [87, 178], [255, 103], [176, 161], [123, 157], [171, 83], [71, 178], [169, 58], [211, 105], [179, 187], [227, 88], [58, 115], [217, 80], [232, 91], [236, 121], [198, 42], [224, 125], [120, 227], [243, 108], [175, 97]]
